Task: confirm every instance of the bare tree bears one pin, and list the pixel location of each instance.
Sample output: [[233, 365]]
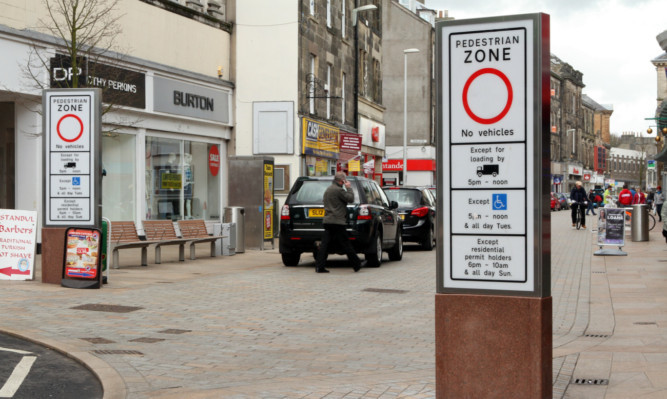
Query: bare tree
[[85, 31]]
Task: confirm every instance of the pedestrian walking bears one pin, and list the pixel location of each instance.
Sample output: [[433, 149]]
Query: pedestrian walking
[[336, 198], [591, 202], [638, 197], [625, 197], [607, 196], [659, 199]]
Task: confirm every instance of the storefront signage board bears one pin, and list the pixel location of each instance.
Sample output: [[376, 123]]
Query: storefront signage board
[[611, 227], [72, 157], [490, 156], [120, 86], [186, 99], [319, 139], [18, 234]]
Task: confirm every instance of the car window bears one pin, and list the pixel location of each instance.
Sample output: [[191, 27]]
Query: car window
[[430, 201], [405, 198], [312, 192], [368, 192], [380, 197]]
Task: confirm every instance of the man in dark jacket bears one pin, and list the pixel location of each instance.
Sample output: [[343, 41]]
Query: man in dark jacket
[[336, 198], [578, 197]]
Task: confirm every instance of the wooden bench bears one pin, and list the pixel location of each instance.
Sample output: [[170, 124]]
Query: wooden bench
[[124, 236], [164, 233], [195, 232]]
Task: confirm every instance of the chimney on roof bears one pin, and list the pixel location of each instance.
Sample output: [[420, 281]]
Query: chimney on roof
[[662, 40]]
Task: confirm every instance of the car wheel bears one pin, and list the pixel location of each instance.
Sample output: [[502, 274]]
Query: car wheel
[[291, 259], [429, 240], [375, 258], [396, 253]]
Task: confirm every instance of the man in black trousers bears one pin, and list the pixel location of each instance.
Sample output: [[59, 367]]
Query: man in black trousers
[[336, 198]]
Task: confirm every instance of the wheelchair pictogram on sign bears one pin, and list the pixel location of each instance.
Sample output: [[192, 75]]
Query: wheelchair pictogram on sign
[[499, 202]]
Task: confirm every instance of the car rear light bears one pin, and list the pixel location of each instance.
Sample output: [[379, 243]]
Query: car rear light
[[420, 212], [364, 213], [284, 213]]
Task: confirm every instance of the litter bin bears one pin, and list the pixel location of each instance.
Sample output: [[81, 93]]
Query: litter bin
[[639, 223], [236, 215]]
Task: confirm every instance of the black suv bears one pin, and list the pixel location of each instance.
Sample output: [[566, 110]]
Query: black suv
[[372, 221], [416, 207]]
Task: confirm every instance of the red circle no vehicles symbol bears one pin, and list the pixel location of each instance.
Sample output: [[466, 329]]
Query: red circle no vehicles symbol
[[70, 135], [508, 105]]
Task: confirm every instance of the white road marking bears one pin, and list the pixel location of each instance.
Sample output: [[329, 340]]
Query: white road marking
[[14, 351], [18, 375]]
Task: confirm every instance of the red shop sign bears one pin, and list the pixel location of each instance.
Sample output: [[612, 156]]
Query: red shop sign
[[214, 160]]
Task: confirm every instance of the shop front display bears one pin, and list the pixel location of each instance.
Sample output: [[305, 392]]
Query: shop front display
[[320, 147]]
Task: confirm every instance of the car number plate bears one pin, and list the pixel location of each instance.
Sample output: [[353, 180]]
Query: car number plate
[[316, 212]]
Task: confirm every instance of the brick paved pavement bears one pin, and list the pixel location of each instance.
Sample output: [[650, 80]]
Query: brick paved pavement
[[247, 327]]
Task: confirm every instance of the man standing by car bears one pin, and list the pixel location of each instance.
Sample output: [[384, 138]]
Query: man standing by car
[[336, 198]]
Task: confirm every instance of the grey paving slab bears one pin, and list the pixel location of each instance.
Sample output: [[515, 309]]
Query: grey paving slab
[[248, 327]]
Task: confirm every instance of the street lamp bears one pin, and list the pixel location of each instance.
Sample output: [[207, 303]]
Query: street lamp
[[405, 111], [356, 59]]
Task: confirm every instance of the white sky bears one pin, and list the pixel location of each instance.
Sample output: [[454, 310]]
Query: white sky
[[611, 42]]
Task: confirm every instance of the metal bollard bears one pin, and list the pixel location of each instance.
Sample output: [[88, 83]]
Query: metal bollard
[[639, 223]]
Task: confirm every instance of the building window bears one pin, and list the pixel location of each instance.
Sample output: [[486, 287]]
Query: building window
[[327, 91], [342, 95], [180, 181], [311, 86], [342, 19], [328, 13], [281, 180], [312, 7]]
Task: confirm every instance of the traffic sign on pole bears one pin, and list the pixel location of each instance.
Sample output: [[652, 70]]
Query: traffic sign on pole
[[72, 161], [490, 157]]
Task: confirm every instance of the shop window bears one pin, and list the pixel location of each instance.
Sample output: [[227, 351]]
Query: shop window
[[118, 186], [182, 179]]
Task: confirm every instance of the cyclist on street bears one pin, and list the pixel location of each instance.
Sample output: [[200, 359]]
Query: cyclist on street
[[579, 198]]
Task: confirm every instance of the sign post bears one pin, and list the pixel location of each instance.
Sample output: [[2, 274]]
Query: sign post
[[72, 167], [493, 169]]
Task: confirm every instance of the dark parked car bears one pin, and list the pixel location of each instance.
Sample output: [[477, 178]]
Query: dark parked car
[[416, 207], [373, 222], [434, 192]]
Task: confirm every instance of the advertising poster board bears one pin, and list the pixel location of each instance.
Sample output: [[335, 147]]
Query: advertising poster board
[[611, 227], [268, 201], [82, 260], [18, 233]]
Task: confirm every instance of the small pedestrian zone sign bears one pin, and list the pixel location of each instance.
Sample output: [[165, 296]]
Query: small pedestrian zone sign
[[71, 127], [489, 124]]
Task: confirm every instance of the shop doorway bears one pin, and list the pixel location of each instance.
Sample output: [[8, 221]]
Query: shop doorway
[[7, 156]]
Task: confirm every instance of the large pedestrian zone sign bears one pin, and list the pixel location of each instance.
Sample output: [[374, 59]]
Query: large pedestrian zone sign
[[71, 157], [490, 124]]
